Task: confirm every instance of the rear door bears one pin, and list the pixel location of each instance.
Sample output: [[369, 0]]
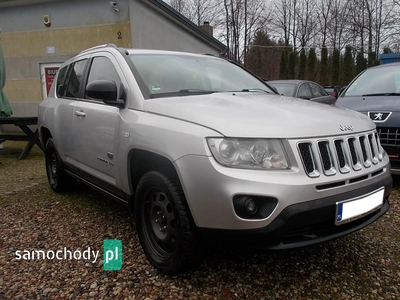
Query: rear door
[[67, 88], [96, 125]]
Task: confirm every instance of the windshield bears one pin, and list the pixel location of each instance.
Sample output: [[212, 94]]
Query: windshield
[[376, 81], [286, 89], [166, 75]]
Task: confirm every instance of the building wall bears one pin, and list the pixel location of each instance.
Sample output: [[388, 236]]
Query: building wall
[[151, 29], [77, 25]]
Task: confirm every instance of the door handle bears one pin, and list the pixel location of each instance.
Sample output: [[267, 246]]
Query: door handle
[[80, 113]]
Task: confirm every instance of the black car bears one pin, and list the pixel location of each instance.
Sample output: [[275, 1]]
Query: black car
[[303, 89], [376, 93]]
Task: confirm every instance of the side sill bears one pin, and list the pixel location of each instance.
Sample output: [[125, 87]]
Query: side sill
[[120, 200]]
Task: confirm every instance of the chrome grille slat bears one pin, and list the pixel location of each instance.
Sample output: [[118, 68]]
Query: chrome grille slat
[[332, 155], [365, 151], [342, 156], [374, 148], [326, 158]]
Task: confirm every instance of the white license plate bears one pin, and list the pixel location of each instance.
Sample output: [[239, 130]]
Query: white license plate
[[349, 210]]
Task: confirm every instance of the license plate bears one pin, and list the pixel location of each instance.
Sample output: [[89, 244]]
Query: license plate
[[349, 210]]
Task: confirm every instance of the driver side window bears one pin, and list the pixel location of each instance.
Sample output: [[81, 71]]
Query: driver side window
[[102, 68]]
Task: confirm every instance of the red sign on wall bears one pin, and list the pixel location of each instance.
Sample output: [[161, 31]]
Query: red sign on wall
[[50, 74]]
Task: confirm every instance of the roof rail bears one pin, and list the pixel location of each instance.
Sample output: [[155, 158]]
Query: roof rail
[[100, 46]]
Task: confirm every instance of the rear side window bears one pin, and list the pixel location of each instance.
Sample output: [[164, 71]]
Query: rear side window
[[75, 79], [62, 74], [304, 91], [317, 90]]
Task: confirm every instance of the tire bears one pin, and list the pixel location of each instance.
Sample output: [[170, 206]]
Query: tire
[[59, 181], [164, 224]]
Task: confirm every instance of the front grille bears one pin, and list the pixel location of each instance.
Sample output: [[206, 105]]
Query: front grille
[[344, 154], [326, 159], [390, 136]]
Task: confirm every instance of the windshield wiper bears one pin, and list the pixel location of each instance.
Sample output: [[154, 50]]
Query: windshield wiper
[[196, 91], [382, 94], [183, 92], [256, 90]]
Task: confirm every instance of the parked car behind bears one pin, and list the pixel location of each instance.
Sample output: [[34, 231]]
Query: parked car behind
[[333, 90], [376, 93], [303, 89], [202, 151]]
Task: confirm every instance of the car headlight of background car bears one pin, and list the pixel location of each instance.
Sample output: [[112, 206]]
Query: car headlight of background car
[[259, 154]]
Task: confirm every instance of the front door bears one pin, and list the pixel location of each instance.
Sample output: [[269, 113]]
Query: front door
[[96, 125]]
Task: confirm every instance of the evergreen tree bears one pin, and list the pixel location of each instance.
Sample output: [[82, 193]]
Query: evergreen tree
[[312, 60], [303, 64], [335, 66], [361, 62], [387, 50], [348, 66], [292, 65], [373, 60], [283, 74], [323, 79], [261, 57]]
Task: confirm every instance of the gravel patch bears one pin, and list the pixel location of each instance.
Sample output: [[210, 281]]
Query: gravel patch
[[363, 265]]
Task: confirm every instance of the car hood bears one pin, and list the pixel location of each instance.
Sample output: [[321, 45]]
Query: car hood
[[375, 104], [370, 103], [260, 115]]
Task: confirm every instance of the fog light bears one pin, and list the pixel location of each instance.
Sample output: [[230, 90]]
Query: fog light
[[254, 207], [245, 206], [251, 206]]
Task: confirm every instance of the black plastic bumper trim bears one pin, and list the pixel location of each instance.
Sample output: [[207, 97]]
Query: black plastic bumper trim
[[301, 224]]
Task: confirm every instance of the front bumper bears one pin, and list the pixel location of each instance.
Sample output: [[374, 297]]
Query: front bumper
[[210, 189], [393, 152], [301, 224]]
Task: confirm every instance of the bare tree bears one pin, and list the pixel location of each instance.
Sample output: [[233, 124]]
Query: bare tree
[[324, 19], [307, 22]]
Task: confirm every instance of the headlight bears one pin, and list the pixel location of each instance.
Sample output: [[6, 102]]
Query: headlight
[[267, 154]]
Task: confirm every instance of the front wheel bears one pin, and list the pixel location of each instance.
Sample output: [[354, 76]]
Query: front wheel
[[58, 180], [164, 224]]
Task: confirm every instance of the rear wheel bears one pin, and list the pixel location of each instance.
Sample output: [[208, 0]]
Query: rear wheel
[[59, 181], [164, 224]]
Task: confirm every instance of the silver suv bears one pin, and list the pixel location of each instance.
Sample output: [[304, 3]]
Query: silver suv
[[205, 153]]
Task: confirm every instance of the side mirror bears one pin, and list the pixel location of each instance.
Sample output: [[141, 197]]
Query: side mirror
[[105, 90]]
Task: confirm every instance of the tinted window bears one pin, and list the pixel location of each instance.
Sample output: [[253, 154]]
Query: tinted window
[[304, 91], [317, 91], [75, 79], [286, 89], [62, 73], [103, 69]]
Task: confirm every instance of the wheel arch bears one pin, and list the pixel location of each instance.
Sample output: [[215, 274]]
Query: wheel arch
[[142, 161], [44, 136]]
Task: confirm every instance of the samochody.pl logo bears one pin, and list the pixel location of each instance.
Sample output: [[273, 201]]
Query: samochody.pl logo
[[112, 255]]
